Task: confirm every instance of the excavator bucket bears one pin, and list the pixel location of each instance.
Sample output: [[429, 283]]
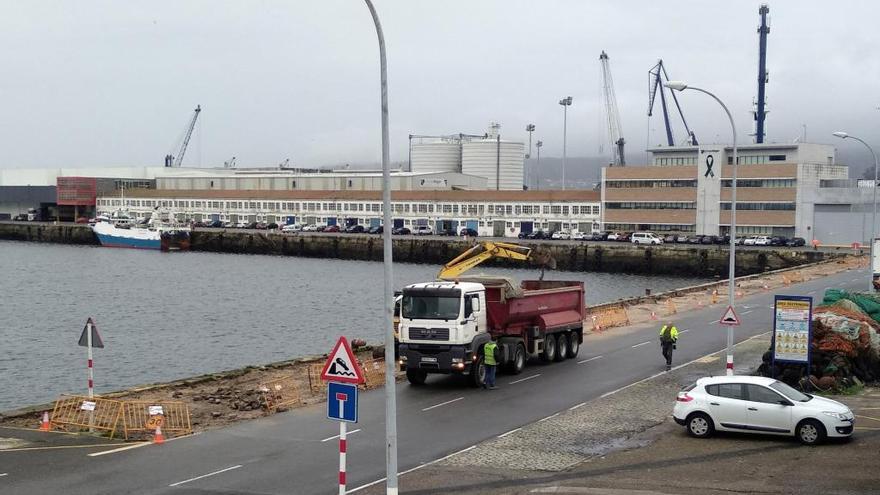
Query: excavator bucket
[[543, 258]]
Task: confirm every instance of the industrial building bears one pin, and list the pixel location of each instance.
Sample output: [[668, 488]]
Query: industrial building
[[782, 189], [491, 213]]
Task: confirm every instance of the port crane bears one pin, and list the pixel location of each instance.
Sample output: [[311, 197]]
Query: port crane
[[229, 163], [487, 250], [656, 76], [760, 112], [615, 131], [176, 161]]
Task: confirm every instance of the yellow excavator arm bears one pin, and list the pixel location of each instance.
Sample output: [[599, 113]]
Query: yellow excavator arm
[[487, 250]]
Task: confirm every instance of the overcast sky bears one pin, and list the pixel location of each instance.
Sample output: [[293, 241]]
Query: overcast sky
[[100, 83]]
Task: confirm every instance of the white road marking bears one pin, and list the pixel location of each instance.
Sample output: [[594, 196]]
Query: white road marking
[[591, 359], [352, 432], [120, 449], [686, 330], [509, 432], [606, 394], [442, 404], [420, 466], [577, 406], [205, 475], [643, 343], [3, 474], [856, 280], [526, 378], [714, 322], [548, 417], [747, 312], [811, 292]]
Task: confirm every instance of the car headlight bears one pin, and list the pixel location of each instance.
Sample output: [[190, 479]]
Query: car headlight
[[836, 415]]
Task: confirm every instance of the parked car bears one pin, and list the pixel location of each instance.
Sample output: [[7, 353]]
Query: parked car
[[778, 240], [762, 240], [708, 239], [523, 235], [400, 231], [681, 238], [670, 238], [722, 239], [449, 232], [354, 229], [261, 225], [624, 237], [581, 236], [539, 234], [228, 225], [645, 238], [423, 230], [82, 220], [739, 241], [750, 240], [272, 226], [471, 232], [292, 228], [796, 242], [216, 224], [310, 228], [601, 236], [612, 236], [755, 404], [695, 239], [376, 230], [561, 235]]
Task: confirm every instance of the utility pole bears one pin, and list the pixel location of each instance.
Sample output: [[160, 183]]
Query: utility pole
[[538, 165], [530, 129], [565, 102], [760, 112]]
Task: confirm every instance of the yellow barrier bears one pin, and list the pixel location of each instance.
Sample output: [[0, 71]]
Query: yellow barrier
[[609, 317], [316, 386], [142, 417], [792, 278], [281, 392], [670, 307], [374, 372], [77, 412]]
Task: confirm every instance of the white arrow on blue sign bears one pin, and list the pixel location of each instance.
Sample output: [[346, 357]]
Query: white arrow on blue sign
[[342, 401]]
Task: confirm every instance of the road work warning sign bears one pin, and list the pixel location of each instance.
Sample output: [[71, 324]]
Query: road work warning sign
[[341, 365]]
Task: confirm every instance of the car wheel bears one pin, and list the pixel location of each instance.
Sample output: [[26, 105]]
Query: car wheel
[[561, 347], [635, 242], [574, 345], [478, 373], [519, 360], [810, 432], [699, 425], [549, 353], [416, 377]]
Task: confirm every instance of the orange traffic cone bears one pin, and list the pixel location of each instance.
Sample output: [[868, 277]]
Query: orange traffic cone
[[653, 315], [44, 424], [700, 303], [158, 437], [766, 287]]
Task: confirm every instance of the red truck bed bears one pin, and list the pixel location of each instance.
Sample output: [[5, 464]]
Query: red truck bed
[[548, 305]]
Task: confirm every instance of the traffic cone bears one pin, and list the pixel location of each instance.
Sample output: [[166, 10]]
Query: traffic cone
[[44, 424], [714, 296], [653, 315], [766, 287], [739, 293], [158, 437], [700, 303]]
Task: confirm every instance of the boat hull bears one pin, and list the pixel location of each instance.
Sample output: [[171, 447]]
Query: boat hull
[[136, 238]]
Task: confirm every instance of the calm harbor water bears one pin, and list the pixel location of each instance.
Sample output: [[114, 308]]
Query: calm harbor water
[[164, 316]]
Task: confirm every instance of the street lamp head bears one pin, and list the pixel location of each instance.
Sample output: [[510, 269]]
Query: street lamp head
[[530, 127], [676, 85], [841, 135], [539, 144], [565, 101]]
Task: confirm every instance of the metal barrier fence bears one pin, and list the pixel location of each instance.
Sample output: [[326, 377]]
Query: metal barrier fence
[[609, 317], [316, 386], [77, 412], [374, 372], [143, 417], [280, 392]]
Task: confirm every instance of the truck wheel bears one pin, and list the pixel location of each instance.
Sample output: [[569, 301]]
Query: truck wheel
[[478, 373], [416, 377], [562, 347], [549, 353], [519, 360], [574, 345]]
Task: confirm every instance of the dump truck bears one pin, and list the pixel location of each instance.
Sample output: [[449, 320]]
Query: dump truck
[[444, 324]]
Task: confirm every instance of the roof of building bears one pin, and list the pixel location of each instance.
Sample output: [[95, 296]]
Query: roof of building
[[482, 195]]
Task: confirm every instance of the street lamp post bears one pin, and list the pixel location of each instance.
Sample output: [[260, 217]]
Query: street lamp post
[[538, 164], [390, 376], [843, 135], [530, 128], [731, 278], [565, 102]]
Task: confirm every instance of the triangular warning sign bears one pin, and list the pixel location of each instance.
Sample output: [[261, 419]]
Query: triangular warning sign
[[729, 317], [96, 338], [341, 365]]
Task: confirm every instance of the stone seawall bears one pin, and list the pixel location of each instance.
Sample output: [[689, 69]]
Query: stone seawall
[[572, 256]]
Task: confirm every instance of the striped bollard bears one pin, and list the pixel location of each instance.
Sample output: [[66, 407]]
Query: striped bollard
[[342, 448]]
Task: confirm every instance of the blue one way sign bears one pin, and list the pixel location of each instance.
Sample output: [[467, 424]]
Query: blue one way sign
[[342, 402]]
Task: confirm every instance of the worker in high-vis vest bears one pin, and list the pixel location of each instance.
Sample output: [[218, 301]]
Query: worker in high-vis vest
[[491, 355], [668, 338]]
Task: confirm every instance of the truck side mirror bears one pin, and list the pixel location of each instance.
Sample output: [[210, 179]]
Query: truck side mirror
[[475, 304]]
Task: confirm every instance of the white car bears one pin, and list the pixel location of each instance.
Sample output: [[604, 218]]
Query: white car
[[613, 236], [755, 404], [579, 236], [423, 230], [762, 240], [291, 228], [645, 238], [310, 228], [750, 240], [561, 235]]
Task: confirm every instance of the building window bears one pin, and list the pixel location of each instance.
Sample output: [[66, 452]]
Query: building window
[[293, 184], [349, 182], [777, 158]]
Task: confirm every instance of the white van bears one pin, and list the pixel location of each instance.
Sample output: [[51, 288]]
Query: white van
[[645, 238]]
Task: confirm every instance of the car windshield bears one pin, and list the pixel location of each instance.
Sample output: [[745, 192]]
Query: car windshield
[[790, 392], [431, 307]]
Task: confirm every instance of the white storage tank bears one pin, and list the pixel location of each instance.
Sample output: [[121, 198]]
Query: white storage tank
[[500, 161], [436, 155]]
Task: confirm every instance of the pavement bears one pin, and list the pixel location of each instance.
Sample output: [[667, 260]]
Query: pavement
[[296, 452]]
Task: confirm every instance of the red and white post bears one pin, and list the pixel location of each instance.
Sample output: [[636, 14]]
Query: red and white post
[[342, 448], [91, 371]]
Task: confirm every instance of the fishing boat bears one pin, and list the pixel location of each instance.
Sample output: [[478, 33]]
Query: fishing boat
[[160, 232]]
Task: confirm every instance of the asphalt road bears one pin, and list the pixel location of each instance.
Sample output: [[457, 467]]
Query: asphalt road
[[296, 452]]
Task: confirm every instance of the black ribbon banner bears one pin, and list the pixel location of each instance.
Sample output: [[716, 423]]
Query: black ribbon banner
[[709, 162]]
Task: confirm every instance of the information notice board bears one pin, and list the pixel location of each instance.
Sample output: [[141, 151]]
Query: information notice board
[[792, 328]]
